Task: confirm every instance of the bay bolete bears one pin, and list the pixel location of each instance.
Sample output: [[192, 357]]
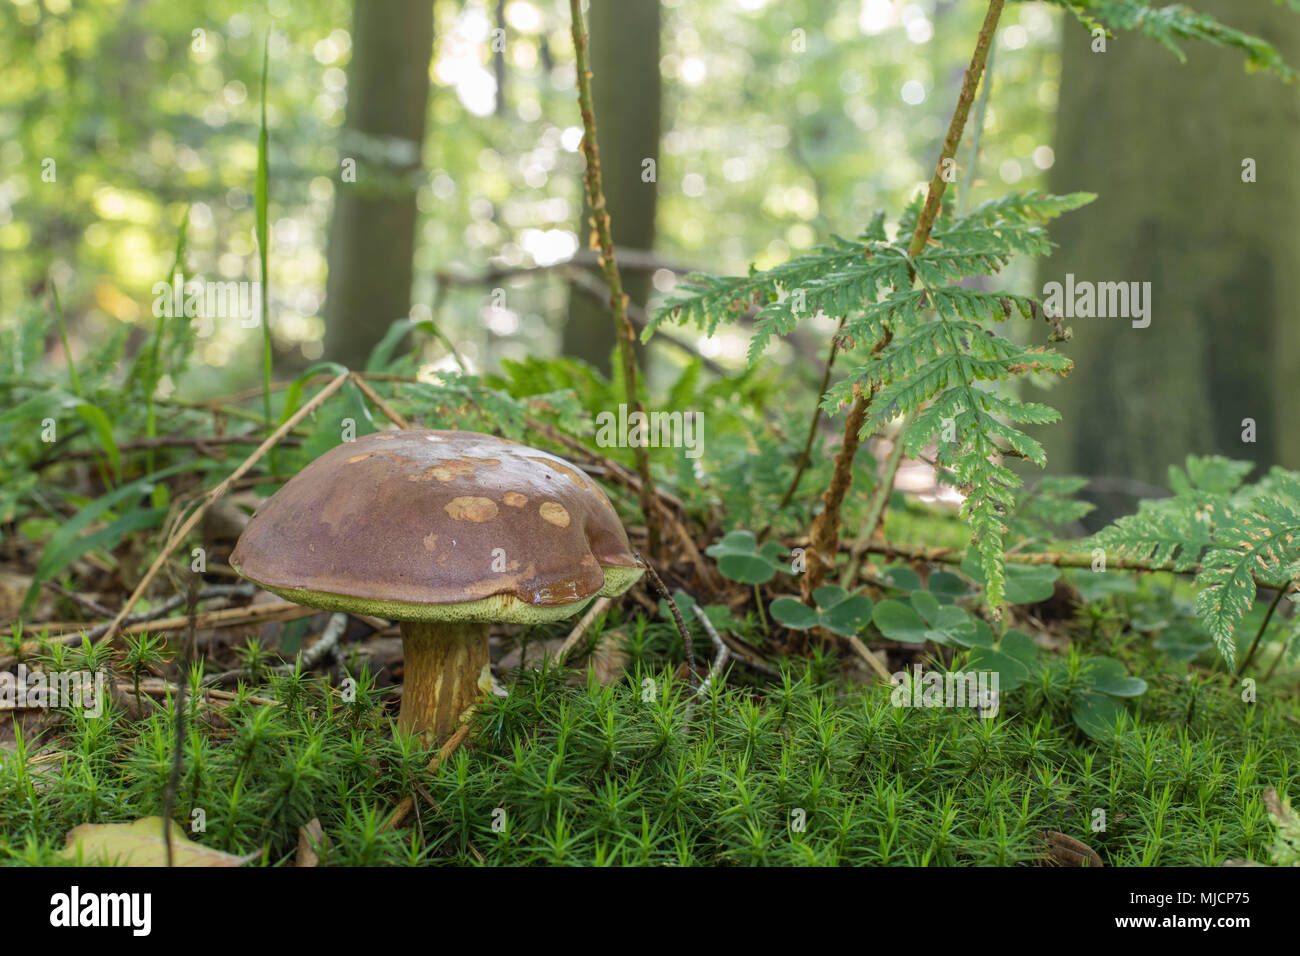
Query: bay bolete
[[446, 532]]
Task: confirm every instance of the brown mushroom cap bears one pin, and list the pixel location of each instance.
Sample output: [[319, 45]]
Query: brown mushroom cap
[[423, 525]]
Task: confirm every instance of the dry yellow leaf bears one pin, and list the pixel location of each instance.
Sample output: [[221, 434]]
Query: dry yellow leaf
[[140, 843]]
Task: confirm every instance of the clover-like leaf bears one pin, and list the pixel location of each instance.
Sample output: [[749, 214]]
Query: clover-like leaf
[[794, 614], [1011, 671], [836, 611], [848, 616], [1021, 646], [947, 587], [948, 624], [1097, 715], [1105, 675], [898, 622], [740, 559], [1025, 584], [1097, 586], [902, 577]]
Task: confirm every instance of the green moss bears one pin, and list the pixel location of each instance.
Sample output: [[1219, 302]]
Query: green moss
[[799, 771]]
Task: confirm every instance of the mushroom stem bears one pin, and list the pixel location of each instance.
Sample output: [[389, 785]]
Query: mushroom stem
[[446, 670]]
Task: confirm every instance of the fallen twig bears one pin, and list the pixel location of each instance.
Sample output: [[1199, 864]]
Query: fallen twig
[[688, 645], [455, 740], [389, 412], [598, 607], [179, 535], [719, 660]]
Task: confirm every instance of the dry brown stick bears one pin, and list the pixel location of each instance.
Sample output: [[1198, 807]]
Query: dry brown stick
[[380, 404], [177, 441], [805, 456], [242, 590], [217, 492], [720, 657], [225, 617], [408, 803], [864, 652], [688, 646], [598, 607], [94, 607], [603, 236], [824, 540], [158, 687], [1060, 559]]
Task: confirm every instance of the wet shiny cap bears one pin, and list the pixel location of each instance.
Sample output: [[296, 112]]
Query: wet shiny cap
[[422, 525]]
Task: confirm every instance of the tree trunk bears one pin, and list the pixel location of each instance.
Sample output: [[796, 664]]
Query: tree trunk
[[1163, 144], [372, 236], [626, 88]]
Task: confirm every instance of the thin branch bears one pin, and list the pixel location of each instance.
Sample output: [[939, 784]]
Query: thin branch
[[1263, 626], [720, 656], [805, 455], [598, 607], [454, 741], [179, 535], [604, 237], [380, 404], [688, 645]]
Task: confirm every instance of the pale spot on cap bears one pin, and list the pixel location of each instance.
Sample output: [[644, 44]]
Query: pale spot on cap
[[469, 508], [514, 499], [554, 512]]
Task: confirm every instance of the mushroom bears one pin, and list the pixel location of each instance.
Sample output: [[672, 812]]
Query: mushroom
[[446, 532]]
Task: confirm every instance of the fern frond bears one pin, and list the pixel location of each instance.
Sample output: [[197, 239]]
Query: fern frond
[[1242, 537], [1258, 547], [1170, 24], [834, 278]]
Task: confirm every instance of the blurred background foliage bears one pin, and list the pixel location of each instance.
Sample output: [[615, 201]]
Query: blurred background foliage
[[127, 126], [781, 123]]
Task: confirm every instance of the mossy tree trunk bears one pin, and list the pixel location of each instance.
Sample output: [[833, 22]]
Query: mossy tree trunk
[[624, 45], [1163, 144], [372, 235]]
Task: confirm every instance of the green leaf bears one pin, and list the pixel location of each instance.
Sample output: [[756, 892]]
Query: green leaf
[[1097, 586], [948, 587], [381, 354], [829, 595], [740, 560], [1011, 672], [65, 546], [794, 614], [1025, 583], [94, 416], [836, 611], [902, 577], [1021, 646], [848, 616], [898, 622], [1109, 676], [1097, 715]]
